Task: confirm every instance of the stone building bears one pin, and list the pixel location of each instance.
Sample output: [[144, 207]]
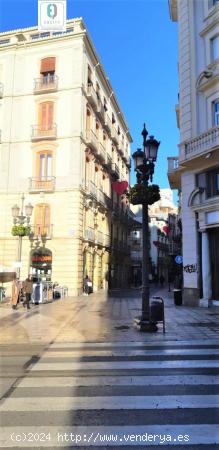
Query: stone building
[[64, 140], [195, 170]]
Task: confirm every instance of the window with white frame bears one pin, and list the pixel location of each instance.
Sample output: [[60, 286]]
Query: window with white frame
[[215, 47]]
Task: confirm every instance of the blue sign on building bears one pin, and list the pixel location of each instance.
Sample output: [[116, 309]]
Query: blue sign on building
[[179, 259]]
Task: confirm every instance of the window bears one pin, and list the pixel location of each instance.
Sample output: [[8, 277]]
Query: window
[[42, 219], [216, 112], [47, 70], [44, 165], [45, 118], [5, 41], [215, 48], [89, 76], [212, 183]]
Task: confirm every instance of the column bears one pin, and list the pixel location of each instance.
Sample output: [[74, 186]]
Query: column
[[206, 269]]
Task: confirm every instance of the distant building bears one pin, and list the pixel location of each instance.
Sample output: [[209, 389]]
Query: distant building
[[195, 170], [64, 140]]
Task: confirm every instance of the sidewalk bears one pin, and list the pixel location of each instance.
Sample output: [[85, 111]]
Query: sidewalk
[[103, 318]]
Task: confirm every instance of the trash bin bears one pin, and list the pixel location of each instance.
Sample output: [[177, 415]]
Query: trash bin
[[156, 311], [177, 296]]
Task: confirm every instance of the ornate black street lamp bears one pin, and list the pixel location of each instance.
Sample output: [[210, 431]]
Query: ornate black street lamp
[[144, 167], [22, 225]]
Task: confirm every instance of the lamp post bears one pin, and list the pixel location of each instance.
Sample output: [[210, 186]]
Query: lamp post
[[144, 168], [19, 218]]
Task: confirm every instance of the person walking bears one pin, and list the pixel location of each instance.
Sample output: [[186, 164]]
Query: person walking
[[162, 279], [87, 285], [15, 292], [28, 289]]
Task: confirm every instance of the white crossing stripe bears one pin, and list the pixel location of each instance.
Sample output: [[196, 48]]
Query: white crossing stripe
[[125, 380], [127, 365], [122, 352], [174, 343], [119, 402]]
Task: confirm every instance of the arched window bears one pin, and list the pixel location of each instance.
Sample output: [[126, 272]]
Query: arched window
[[45, 116], [42, 219]]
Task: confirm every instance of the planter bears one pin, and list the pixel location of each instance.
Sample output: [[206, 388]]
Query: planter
[[140, 194], [20, 230]]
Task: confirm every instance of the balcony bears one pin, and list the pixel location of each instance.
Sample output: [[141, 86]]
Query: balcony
[[99, 238], [40, 132], [46, 84], [108, 161], [114, 135], [121, 148], [102, 152], [198, 146], [100, 111], [89, 234], [42, 184], [1, 90], [41, 232], [108, 124], [174, 174], [92, 95], [115, 170], [104, 199], [92, 141], [91, 189]]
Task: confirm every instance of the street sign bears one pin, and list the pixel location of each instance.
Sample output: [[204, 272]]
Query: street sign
[[179, 259]]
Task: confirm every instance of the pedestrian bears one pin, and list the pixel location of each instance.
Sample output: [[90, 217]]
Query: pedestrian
[[87, 285], [15, 292], [162, 279], [28, 289]]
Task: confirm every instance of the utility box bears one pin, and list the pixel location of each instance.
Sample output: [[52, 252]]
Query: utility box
[[177, 293]]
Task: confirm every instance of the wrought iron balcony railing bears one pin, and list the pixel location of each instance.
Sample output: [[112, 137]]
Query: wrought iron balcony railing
[[46, 84], [42, 184], [115, 170], [44, 132], [102, 152], [100, 111], [91, 189], [114, 135]]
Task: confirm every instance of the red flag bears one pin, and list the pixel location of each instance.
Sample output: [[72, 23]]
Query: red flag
[[120, 186], [166, 229]]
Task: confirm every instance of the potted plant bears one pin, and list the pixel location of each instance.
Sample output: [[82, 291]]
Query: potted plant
[[140, 194], [20, 230]]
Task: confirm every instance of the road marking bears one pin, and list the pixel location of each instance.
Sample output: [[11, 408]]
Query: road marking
[[114, 403]]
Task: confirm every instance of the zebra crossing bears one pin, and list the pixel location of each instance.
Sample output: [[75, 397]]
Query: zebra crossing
[[123, 394]]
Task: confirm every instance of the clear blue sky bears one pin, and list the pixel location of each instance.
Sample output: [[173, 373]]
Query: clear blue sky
[[137, 44]]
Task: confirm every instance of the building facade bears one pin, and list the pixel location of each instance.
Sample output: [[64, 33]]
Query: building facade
[[195, 171], [64, 140]]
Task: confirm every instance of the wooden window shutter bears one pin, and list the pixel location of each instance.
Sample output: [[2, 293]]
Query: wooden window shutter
[[48, 65]]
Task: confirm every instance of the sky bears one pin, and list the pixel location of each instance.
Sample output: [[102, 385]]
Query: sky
[[137, 45]]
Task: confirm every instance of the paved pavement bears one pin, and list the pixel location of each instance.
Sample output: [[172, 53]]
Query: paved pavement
[[76, 374], [99, 318]]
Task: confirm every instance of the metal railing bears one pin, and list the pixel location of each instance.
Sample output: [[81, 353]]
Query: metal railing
[[200, 144], [1, 90], [115, 169], [41, 184], [40, 231], [100, 111], [100, 238], [44, 132], [49, 83], [108, 161]]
